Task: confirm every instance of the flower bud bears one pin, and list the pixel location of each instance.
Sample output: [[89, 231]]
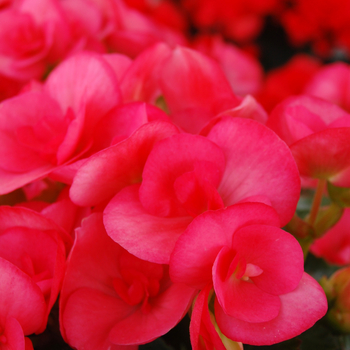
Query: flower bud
[[337, 289]]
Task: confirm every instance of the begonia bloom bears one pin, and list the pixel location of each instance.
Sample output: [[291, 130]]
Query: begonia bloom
[[111, 299], [317, 133], [42, 131], [195, 89], [331, 83], [323, 24], [34, 34], [287, 80], [37, 248], [133, 32], [238, 20], [257, 272], [243, 71], [185, 175]]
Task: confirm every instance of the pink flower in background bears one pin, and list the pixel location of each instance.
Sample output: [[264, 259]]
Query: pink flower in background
[[332, 83], [34, 34], [317, 133], [192, 86], [111, 299], [195, 89], [287, 80], [246, 77], [263, 295], [32, 254]]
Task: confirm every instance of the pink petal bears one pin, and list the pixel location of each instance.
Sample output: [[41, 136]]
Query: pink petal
[[299, 311], [12, 336], [297, 117], [119, 63], [324, 155], [11, 181], [20, 298], [108, 171], [167, 309], [171, 158], [46, 255], [276, 252], [122, 121], [239, 298], [257, 163], [84, 83], [196, 250], [140, 82], [148, 237], [88, 317], [21, 217], [195, 89], [331, 83], [26, 111], [201, 326]]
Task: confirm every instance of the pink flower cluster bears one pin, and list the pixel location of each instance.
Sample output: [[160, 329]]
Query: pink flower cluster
[[147, 182], [322, 24]]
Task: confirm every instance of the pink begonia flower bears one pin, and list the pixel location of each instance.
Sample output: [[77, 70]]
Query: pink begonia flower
[[240, 20], [204, 332], [195, 89], [87, 25], [33, 250], [243, 71], [287, 80], [165, 12], [318, 134], [334, 246], [263, 295], [332, 83], [133, 31], [141, 80], [182, 176], [34, 34], [75, 114], [111, 299], [193, 86]]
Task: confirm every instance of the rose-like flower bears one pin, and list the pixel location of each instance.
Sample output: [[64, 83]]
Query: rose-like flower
[[32, 258], [317, 133], [34, 34], [167, 180], [331, 83], [263, 295], [111, 299]]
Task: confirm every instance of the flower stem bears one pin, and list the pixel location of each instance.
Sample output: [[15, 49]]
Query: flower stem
[[317, 201]]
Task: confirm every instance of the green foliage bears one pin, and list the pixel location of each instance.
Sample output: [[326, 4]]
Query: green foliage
[[339, 195]]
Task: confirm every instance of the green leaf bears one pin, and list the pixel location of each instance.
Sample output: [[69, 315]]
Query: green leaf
[[339, 195]]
